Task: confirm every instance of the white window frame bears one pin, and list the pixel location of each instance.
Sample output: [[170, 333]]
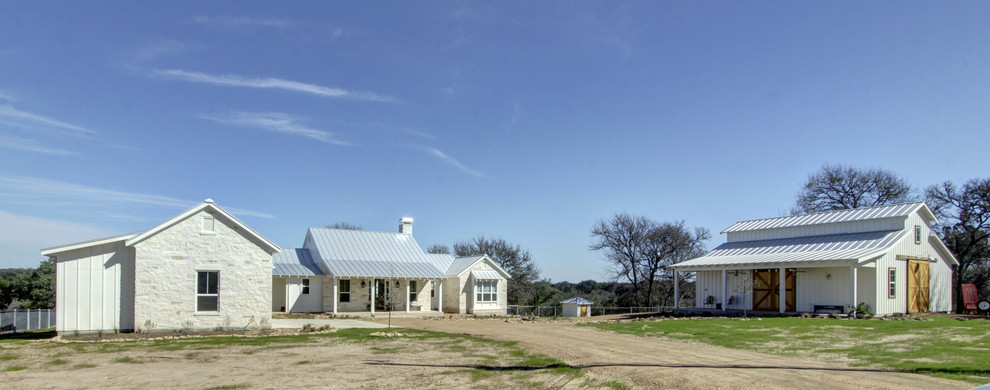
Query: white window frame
[[891, 283], [413, 291], [215, 294], [344, 293], [305, 286], [917, 234], [211, 221], [486, 291]]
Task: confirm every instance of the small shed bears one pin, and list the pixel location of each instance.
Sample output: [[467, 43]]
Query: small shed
[[576, 307]]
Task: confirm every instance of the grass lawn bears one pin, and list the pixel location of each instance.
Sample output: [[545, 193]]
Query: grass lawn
[[943, 347]]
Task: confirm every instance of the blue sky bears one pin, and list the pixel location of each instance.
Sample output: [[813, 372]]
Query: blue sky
[[525, 120]]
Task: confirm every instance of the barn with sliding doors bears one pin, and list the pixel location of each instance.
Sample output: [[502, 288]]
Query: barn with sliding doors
[[885, 257]]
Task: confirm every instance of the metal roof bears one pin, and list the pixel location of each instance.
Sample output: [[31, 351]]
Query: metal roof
[[355, 253], [88, 243], [294, 261], [578, 301], [854, 247], [461, 264], [441, 260], [485, 275], [859, 214]]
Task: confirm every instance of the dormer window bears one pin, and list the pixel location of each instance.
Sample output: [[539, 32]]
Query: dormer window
[[209, 224], [917, 234]]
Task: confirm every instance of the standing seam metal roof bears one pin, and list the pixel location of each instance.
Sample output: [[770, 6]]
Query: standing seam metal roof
[[860, 214], [837, 247], [577, 301], [355, 253], [294, 262]]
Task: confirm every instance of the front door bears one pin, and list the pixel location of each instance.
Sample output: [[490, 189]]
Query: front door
[[381, 294], [766, 290], [584, 311], [917, 285]]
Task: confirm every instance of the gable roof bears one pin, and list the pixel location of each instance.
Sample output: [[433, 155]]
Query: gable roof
[[294, 262], [844, 248], [462, 264], [206, 205], [940, 246], [359, 253], [835, 216], [577, 301]]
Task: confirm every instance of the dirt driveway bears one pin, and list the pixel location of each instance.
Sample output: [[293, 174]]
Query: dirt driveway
[[649, 362]]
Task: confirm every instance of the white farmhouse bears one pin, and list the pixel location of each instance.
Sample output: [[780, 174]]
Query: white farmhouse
[[885, 256], [350, 271], [202, 269]]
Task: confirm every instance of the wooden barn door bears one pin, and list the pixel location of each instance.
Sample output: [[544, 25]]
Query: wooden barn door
[[917, 286], [766, 290]]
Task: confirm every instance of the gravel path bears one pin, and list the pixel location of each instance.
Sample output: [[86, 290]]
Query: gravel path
[[650, 362]]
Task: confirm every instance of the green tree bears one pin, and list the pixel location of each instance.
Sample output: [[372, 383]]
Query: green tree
[[964, 226]]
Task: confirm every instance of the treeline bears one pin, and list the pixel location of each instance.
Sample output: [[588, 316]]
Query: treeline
[[27, 288], [612, 294]]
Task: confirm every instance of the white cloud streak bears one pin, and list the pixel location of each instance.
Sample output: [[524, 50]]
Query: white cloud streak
[[450, 160], [269, 83], [22, 236], [32, 146], [37, 188], [242, 22], [275, 122], [11, 113]]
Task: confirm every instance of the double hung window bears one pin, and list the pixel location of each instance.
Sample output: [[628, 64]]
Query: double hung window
[[486, 291], [208, 291]]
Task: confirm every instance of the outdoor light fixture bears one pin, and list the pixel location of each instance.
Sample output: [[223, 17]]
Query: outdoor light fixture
[[396, 283], [362, 284], [828, 276]]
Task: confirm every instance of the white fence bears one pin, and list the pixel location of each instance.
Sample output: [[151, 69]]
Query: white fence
[[22, 319], [553, 311]]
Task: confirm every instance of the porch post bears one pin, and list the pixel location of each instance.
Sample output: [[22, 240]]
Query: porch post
[[440, 296], [288, 309], [677, 289], [725, 286], [407, 296], [853, 281], [336, 294], [782, 288], [374, 286]]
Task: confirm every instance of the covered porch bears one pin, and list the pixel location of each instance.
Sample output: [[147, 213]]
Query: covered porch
[[366, 295], [797, 287]]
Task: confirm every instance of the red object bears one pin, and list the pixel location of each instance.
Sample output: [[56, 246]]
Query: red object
[[969, 297]]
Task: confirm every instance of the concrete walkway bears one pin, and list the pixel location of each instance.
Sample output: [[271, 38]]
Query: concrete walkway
[[298, 323]]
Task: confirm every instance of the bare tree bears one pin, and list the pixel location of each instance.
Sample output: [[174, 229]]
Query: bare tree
[[512, 258], [344, 225], [620, 240], [438, 249], [964, 224], [838, 187], [640, 250]]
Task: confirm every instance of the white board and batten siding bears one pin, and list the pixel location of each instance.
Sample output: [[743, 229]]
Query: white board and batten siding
[[305, 303], [101, 281]]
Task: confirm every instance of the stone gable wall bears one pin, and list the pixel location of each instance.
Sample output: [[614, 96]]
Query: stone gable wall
[[166, 268]]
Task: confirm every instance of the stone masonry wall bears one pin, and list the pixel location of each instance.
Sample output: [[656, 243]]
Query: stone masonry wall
[[166, 270]]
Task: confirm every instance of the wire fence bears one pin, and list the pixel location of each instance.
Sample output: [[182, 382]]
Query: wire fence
[[554, 311], [22, 319]]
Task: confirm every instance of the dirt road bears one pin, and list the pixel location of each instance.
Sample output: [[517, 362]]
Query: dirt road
[[653, 363]]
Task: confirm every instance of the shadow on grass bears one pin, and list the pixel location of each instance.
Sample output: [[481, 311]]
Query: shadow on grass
[[976, 372], [28, 335]]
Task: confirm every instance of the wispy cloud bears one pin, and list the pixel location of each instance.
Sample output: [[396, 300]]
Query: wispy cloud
[[27, 119], [276, 122], [450, 160], [44, 189], [273, 83], [154, 51], [242, 22], [6, 96], [21, 236], [31, 146]]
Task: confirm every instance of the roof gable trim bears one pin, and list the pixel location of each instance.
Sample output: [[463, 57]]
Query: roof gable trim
[[208, 204]]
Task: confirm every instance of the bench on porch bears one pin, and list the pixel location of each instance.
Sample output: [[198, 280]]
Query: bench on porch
[[838, 309], [416, 307]]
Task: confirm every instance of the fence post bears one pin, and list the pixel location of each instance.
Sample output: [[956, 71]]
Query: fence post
[[15, 321], [555, 311], [49, 318]]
